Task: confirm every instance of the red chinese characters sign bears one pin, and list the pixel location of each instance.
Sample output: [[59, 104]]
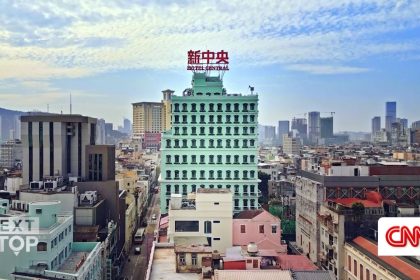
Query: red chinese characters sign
[[208, 60]]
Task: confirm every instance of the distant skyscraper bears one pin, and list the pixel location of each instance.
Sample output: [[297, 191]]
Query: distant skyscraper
[[403, 122], [127, 126], [390, 114], [327, 127], [314, 127], [376, 125], [301, 125], [282, 129], [415, 125], [166, 109], [100, 132], [269, 134]]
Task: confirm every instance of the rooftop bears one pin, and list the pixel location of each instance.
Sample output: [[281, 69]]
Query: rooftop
[[248, 214], [395, 264], [163, 267], [192, 244], [252, 275], [296, 262]]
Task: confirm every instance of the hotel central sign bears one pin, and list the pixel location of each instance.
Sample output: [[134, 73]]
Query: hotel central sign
[[208, 60]]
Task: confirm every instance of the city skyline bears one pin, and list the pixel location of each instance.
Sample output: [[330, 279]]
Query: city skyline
[[299, 56]]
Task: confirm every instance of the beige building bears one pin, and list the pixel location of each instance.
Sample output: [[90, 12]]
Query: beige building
[[166, 109], [147, 117], [208, 214], [363, 262], [291, 145]]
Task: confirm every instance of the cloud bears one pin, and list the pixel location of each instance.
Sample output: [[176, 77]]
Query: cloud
[[78, 38], [327, 69]]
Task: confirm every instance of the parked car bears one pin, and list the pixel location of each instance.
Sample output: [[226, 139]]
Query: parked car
[[137, 250]]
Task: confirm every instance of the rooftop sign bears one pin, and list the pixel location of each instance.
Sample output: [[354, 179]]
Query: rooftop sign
[[208, 60]]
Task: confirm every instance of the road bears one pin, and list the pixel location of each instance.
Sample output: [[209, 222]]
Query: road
[[135, 268]]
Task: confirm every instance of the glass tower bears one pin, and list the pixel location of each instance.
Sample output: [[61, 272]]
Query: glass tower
[[390, 114], [213, 143]]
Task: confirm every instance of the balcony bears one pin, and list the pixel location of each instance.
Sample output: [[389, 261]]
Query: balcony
[[202, 178], [168, 193], [176, 178]]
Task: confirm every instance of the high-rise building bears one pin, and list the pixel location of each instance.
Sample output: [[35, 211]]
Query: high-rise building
[[166, 109], [212, 144], [10, 153], [301, 126], [54, 145], [376, 126], [291, 145], [127, 126], [390, 114], [314, 127], [403, 122], [147, 123], [327, 127], [415, 125], [100, 132], [283, 129], [269, 135]]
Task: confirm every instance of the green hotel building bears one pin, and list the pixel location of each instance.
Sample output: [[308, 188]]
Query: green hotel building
[[213, 143]]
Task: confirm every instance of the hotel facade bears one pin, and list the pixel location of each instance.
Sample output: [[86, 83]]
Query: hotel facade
[[213, 143]]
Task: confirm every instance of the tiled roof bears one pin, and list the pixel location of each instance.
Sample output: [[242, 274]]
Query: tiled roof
[[296, 262], [397, 264], [312, 275], [248, 214], [252, 275], [348, 202]]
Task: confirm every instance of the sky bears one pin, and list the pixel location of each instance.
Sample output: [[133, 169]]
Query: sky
[[345, 56]]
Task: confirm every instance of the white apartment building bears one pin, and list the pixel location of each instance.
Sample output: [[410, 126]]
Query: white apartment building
[[208, 214]]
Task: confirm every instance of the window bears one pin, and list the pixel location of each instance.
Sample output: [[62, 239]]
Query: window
[[361, 271], [243, 230], [216, 203], [207, 227], [38, 211], [273, 228], [194, 258], [355, 267], [182, 259], [373, 276], [216, 222], [367, 274], [41, 246], [216, 238], [186, 226], [349, 262], [261, 228]]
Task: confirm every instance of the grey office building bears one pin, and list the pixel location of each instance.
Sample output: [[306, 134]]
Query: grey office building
[[54, 145], [390, 114], [327, 128], [314, 127], [283, 129]]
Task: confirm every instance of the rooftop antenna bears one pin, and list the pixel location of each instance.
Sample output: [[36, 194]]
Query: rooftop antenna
[[251, 89], [70, 105]]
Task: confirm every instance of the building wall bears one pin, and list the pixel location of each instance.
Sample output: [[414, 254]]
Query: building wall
[[147, 117], [252, 230], [309, 195], [220, 216], [380, 271], [51, 257], [219, 126]]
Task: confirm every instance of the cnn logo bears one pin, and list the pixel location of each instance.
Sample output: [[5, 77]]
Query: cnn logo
[[399, 236]]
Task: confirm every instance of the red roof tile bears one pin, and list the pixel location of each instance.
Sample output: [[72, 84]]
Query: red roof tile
[[395, 262], [248, 214], [295, 262]]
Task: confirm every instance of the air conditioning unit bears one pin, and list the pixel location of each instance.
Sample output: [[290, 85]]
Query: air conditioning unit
[[36, 185], [88, 198], [50, 185]]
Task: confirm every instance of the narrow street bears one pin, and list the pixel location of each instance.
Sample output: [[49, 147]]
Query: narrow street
[[135, 268]]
